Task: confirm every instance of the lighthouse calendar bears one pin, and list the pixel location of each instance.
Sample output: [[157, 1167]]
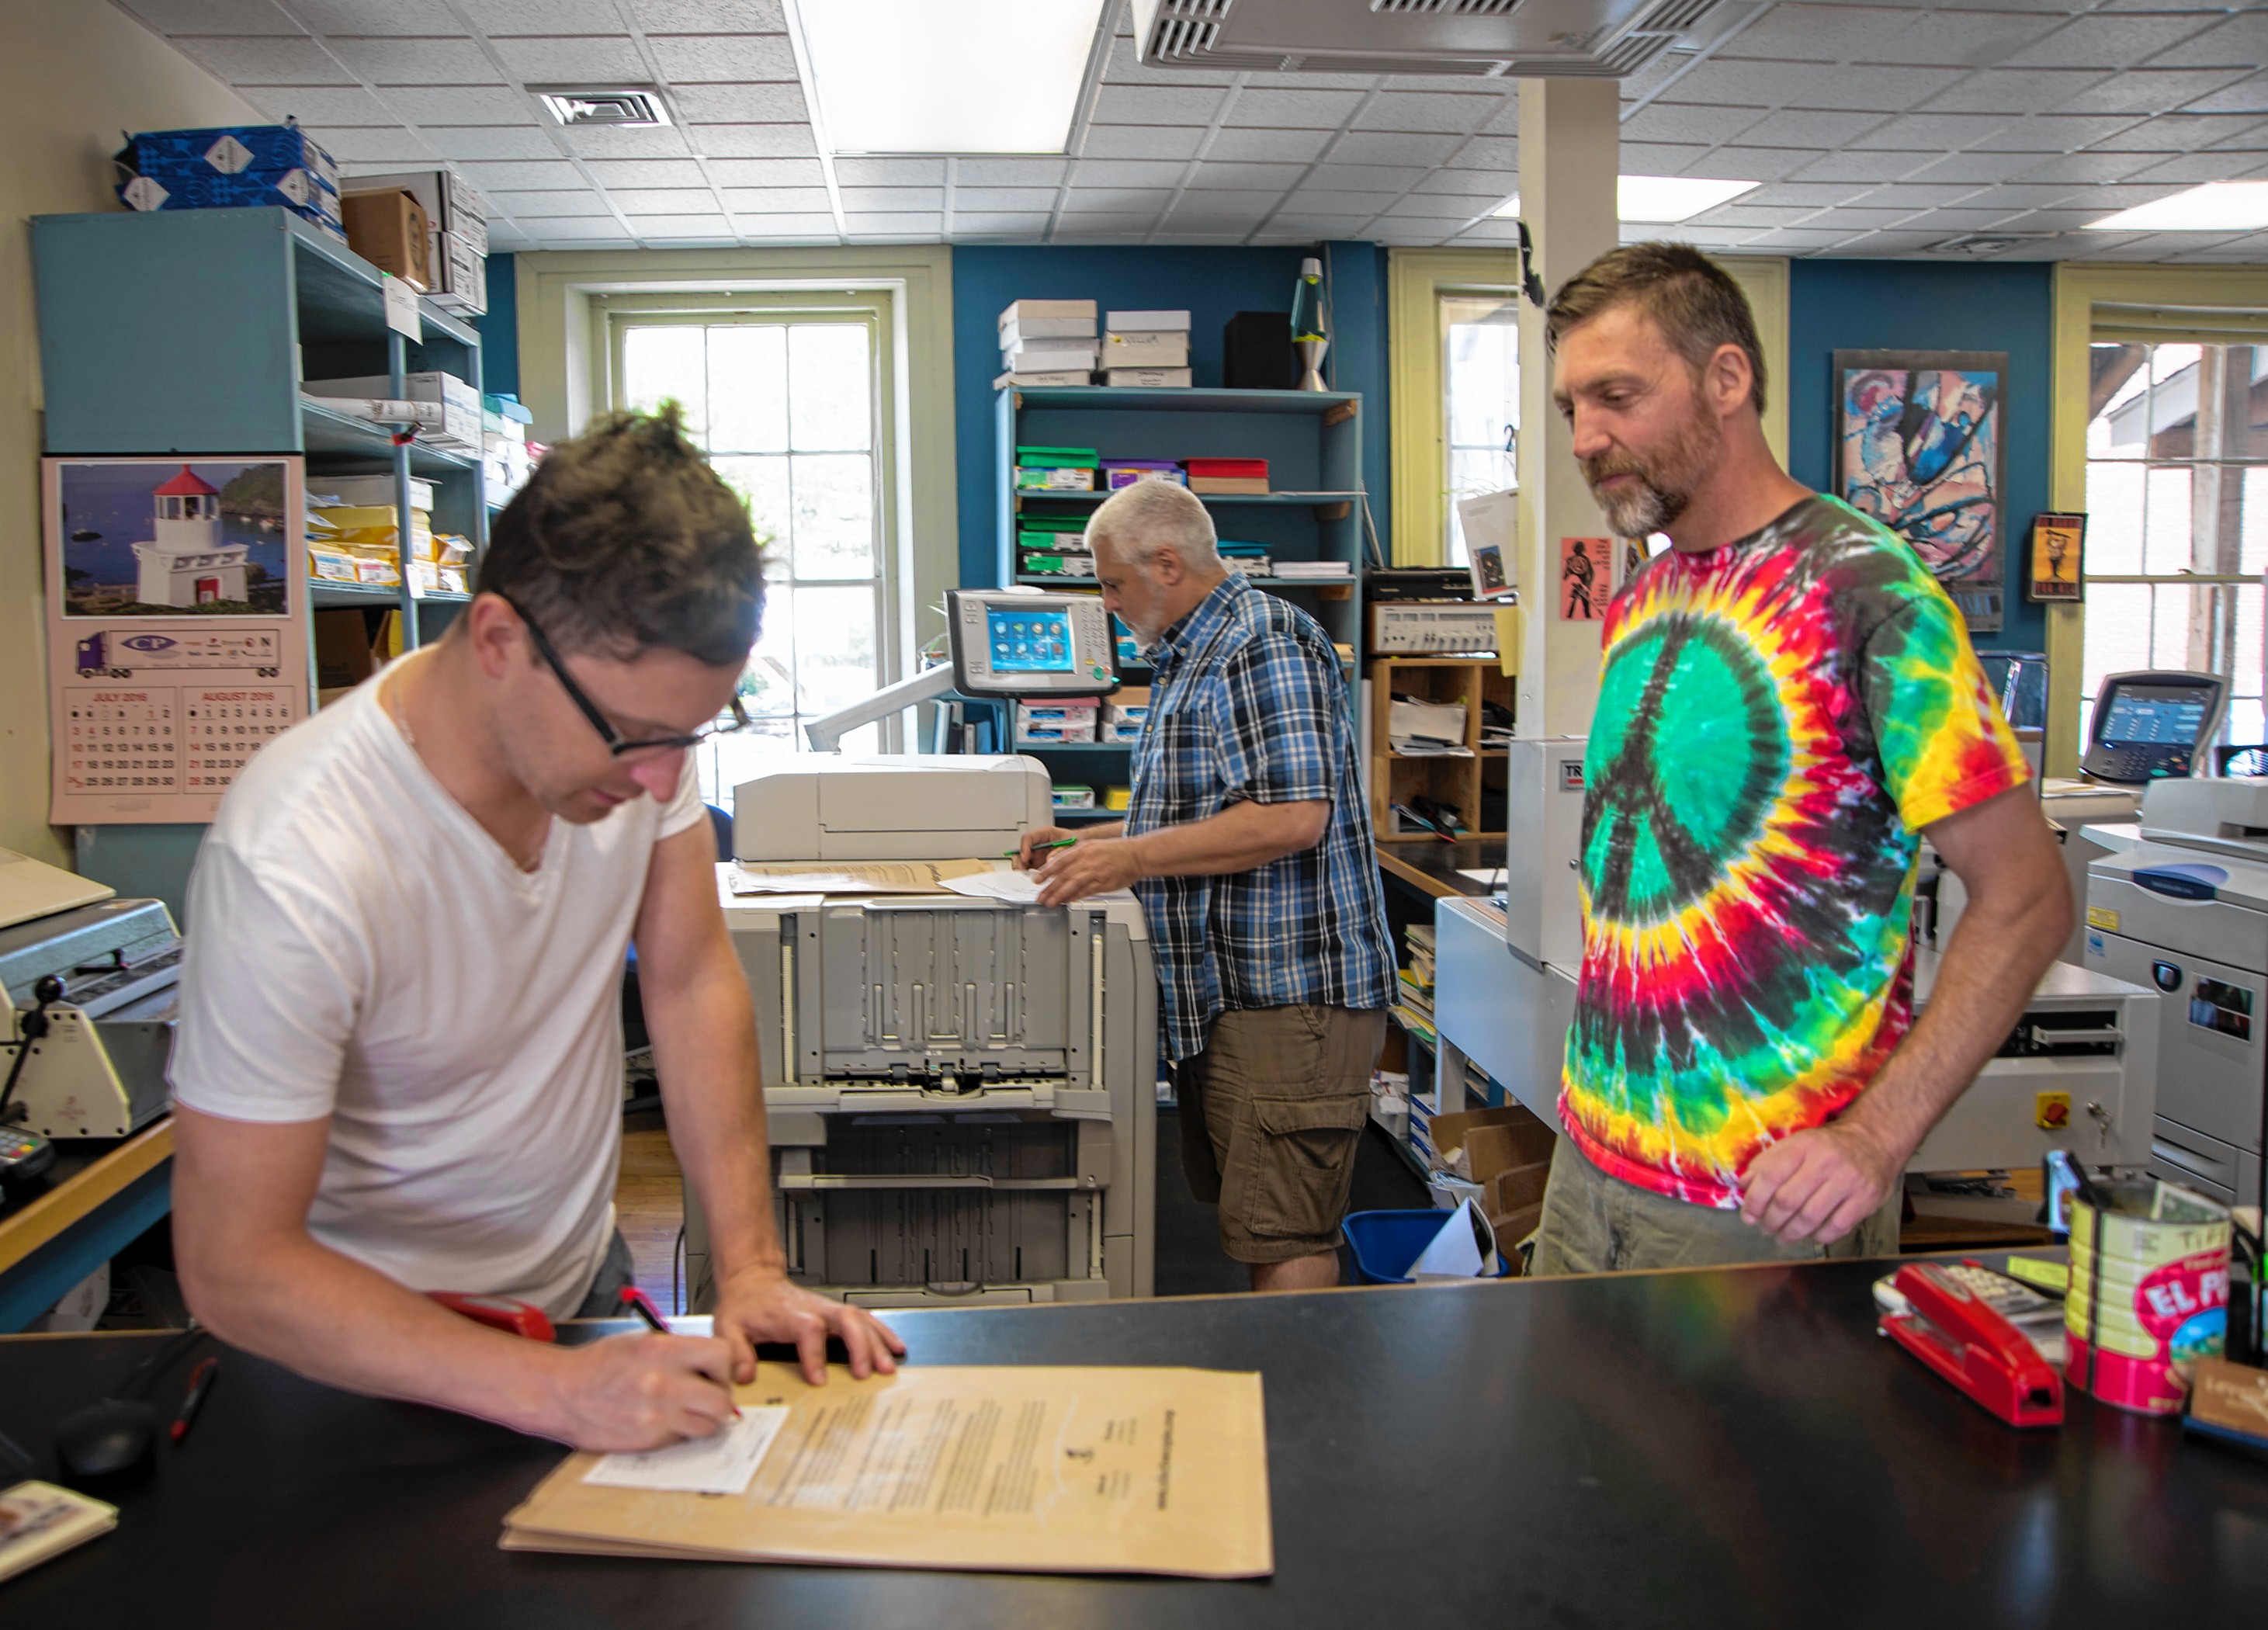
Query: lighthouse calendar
[[177, 644]]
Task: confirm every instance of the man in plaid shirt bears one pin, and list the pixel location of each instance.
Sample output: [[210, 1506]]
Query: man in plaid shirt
[[1250, 847]]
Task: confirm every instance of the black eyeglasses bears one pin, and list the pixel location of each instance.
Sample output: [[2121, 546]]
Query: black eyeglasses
[[616, 742]]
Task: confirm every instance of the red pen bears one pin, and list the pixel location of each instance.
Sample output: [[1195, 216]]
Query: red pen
[[201, 1380], [641, 1304]]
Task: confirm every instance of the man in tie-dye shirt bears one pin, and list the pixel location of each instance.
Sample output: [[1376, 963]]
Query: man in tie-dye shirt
[[1788, 703]]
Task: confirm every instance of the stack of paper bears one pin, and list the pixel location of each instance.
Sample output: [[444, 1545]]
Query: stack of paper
[[1146, 347], [1311, 570], [1240, 477], [1048, 343], [1072, 1469]]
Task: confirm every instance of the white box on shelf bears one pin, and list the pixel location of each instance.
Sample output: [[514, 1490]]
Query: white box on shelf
[[1173, 378], [1148, 322], [375, 490]]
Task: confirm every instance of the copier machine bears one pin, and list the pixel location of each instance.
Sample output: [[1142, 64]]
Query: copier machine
[[961, 1092], [2185, 911], [2080, 1071]]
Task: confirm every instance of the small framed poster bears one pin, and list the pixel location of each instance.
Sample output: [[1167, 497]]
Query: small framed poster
[[2053, 569], [1586, 578]]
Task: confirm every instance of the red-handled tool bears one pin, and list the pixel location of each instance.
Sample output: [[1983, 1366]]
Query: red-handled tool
[[514, 1318], [1968, 1342]]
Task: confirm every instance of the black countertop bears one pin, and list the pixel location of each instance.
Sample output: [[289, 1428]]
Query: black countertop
[[1733, 1447], [1442, 865]]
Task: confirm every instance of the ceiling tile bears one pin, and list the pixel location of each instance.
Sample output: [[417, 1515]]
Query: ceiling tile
[[778, 200], [884, 200], [1764, 164], [1883, 90], [1823, 33], [664, 200], [1020, 224], [2055, 133], [2240, 42], [1976, 167], [1003, 200], [1945, 131], [722, 16], [1086, 221], [211, 17], [554, 173], [2184, 133], [664, 142], [766, 172], [889, 172], [722, 59], [1417, 110], [1857, 219], [2117, 40], [614, 173], [714, 222], [244, 61], [738, 104], [1460, 208], [895, 223], [1131, 172], [2089, 166], [2007, 91], [1817, 194], [2153, 90], [460, 103], [1313, 81], [1505, 119], [1272, 179], [1010, 172], [387, 144], [2246, 96], [1287, 145], [1793, 127], [1369, 178], [1158, 103], [320, 106], [1859, 167], [751, 141], [1685, 122], [1129, 141], [1310, 110], [1121, 199], [489, 141], [1331, 200], [1320, 225], [811, 225], [1742, 214], [546, 18], [1659, 157], [2021, 195], [1966, 39], [1392, 148], [598, 227], [2195, 167], [1752, 85], [418, 61], [576, 201], [1916, 195], [1483, 153], [589, 60], [432, 17], [1796, 238]]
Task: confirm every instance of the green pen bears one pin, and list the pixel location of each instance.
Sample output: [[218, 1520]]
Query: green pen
[[1060, 843]]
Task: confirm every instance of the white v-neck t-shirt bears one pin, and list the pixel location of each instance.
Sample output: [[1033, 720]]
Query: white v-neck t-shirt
[[360, 948]]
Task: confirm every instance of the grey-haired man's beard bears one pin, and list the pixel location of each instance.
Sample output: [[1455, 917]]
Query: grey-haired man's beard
[[1664, 486], [1636, 512]]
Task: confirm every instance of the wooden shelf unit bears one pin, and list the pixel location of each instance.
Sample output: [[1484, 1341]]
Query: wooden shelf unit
[[1463, 783]]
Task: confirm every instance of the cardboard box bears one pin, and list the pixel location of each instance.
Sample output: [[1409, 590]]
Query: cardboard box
[[231, 166], [388, 230], [457, 233], [1515, 1188], [460, 402], [1478, 1144], [344, 657], [371, 490]]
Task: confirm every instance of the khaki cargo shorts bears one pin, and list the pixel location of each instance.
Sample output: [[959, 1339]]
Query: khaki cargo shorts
[[1272, 1112]]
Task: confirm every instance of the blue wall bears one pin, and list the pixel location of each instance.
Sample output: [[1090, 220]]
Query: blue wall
[[1213, 283], [499, 330], [1908, 306]]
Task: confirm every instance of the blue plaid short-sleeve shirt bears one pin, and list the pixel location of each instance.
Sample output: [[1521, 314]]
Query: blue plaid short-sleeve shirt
[[1248, 703]]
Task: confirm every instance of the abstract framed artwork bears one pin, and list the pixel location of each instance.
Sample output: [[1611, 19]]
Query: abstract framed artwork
[[1920, 446]]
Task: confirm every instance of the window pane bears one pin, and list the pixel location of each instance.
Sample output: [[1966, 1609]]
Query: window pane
[[2117, 634], [833, 515], [665, 363], [763, 483], [2114, 518], [2117, 375], [830, 393], [835, 639], [2167, 541], [747, 389], [1483, 383], [2254, 530]]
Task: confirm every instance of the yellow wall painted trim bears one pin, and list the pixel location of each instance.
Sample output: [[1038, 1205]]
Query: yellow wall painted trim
[[1415, 280], [2080, 287]]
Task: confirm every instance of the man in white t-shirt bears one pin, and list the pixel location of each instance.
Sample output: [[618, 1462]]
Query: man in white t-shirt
[[400, 1062]]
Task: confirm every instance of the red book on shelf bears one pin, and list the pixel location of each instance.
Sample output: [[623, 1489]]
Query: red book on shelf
[[1249, 469]]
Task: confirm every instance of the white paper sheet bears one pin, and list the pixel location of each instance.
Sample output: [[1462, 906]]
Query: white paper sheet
[[1455, 1251], [721, 1463], [1017, 888]]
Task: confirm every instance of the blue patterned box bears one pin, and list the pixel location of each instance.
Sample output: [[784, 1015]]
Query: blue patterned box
[[234, 167]]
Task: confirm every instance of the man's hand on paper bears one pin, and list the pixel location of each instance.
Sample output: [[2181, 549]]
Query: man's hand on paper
[[1818, 1184], [630, 1392], [1092, 866], [759, 1304]]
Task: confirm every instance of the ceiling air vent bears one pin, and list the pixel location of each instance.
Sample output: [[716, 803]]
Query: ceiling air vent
[[570, 105], [1486, 38], [1982, 245], [1449, 8]]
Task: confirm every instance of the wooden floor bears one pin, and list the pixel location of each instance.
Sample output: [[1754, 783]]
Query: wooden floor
[[649, 1206]]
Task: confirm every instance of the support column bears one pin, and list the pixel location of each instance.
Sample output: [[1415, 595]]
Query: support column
[[1570, 148]]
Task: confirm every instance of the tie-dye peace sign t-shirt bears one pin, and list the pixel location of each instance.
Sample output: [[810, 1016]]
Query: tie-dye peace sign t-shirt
[[1778, 719]]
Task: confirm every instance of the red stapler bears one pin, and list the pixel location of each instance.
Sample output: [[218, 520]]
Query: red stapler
[[514, 1318], [1953, 1329]]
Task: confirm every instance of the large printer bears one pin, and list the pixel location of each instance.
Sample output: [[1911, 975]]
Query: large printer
[[2185, 910], [2078, 1072], [961, 1092]]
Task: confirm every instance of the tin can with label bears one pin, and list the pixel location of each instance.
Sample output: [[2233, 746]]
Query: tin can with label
[[2149, 1292]]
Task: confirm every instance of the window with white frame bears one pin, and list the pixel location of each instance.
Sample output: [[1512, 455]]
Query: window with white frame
[[788, 406], [2177, 518], [1480, 399]]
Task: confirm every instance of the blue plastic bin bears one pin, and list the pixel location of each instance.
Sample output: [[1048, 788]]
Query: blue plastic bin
[[1385, 1242]]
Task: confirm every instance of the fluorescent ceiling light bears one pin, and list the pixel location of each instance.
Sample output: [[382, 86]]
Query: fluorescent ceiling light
[[1662, 198], [929, 77], [2215, 207]]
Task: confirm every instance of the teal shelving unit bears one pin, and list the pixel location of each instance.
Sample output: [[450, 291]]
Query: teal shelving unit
[[1313, 442], [187, 332]]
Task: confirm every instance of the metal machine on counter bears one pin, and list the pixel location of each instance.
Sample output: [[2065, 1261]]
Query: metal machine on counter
[[2185, 910], [2080, 1071], [961, 1092]]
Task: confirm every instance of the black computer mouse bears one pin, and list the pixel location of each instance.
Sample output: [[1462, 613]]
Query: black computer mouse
[[106, 1443]]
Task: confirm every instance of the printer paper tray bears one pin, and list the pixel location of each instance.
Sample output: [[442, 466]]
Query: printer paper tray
[[921, 1180], [865, 1098]]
